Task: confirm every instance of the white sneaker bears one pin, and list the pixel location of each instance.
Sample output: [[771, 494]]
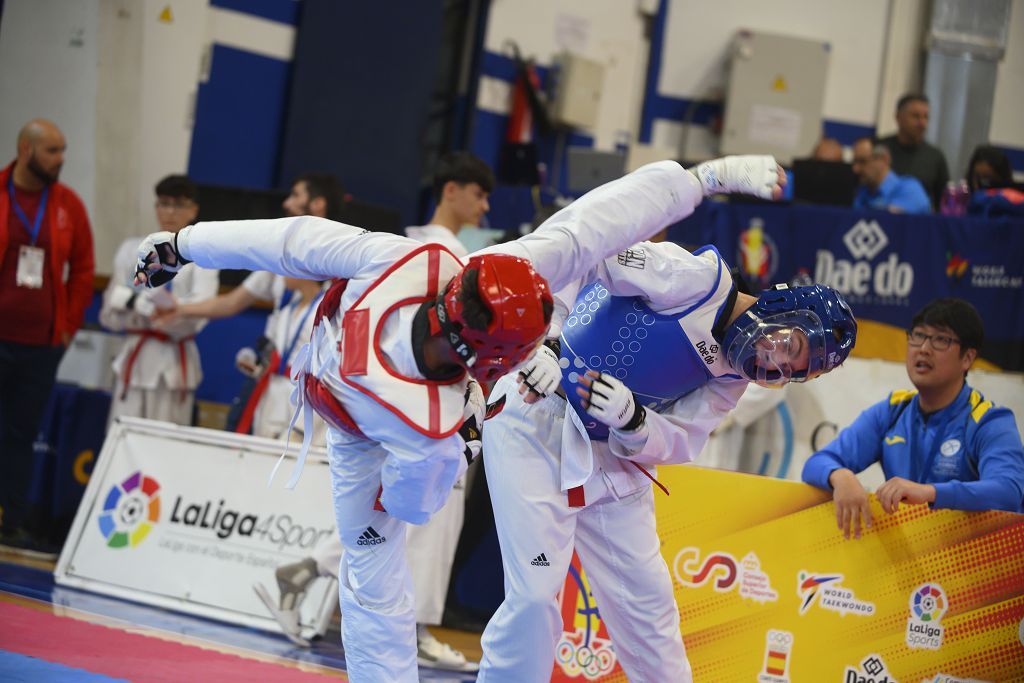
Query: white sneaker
[[292, 581], [433, 654]]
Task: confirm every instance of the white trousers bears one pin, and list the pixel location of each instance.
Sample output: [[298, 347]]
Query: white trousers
[[374, 586], [618, 547], [430, 548], [169, 405]]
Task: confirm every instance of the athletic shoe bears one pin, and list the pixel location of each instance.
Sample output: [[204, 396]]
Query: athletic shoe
[[292, 582], [21, 542], [433, 654]]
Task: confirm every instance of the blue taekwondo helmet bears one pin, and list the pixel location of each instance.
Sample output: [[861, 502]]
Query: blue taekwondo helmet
[[769, 342]]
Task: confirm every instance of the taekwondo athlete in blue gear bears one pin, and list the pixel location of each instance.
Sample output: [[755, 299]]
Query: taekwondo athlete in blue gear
[[571, 474], [942, 444], [408, 448]]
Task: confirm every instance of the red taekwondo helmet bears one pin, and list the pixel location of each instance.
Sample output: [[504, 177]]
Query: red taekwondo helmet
[[519, 303]]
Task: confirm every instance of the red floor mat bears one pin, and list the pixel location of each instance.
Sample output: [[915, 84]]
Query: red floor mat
[[117, 653]]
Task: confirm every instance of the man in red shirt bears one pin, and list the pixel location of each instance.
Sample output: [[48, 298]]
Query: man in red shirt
[[46, 272]]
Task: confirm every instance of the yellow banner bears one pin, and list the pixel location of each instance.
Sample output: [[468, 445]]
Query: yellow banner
[[770, 591]]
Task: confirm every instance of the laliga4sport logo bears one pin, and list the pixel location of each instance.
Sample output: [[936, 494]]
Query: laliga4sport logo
[[927, 605], [888, 281], [130, 511]]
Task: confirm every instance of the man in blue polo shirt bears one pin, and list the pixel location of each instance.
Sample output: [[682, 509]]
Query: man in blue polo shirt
[[882, 189], [942, 444]]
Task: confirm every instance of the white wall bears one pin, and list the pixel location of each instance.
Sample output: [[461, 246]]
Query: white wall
[[607, 31], [1008, 106], [698, 35], [48, 55], [120, 78]]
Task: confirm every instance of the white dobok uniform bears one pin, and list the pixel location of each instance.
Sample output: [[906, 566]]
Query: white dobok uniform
[[554, 489], [267, 287], [288, 329], [409, 449], [431, 546], [157, 370]]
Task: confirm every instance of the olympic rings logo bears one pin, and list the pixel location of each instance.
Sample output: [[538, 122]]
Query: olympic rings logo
[[590, 662]]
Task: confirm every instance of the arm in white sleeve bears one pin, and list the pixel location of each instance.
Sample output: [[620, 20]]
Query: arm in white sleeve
[[678, 434], [305, 247], [664, 274], [606, 220]]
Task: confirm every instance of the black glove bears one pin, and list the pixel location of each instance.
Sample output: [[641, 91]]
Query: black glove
[[473, 420]]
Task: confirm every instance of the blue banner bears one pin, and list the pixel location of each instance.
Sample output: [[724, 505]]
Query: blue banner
[[887, 265]]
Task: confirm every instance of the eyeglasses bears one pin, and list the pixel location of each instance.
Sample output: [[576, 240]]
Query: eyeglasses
[[940, 342], [174, 206]]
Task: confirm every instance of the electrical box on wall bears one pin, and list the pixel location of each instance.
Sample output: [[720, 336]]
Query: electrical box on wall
[[775, 95], [576, 90]]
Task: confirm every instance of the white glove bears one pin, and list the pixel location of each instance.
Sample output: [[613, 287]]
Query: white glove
[[541, 373], [159, 259], [609, 401], [473, 420], [144, 306], [753, 174], [248, 362], [122, 298]]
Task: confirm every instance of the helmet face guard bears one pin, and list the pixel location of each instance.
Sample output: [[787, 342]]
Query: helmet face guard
[[781, 348], [519, 303], [791, 335]]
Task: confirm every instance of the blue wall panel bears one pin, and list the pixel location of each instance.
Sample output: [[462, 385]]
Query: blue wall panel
[[239, 120]]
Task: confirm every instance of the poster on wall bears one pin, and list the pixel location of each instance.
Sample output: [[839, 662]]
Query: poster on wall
[[183, 518], [770, 591]]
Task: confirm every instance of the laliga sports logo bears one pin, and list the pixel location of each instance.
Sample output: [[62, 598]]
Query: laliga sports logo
[[927, 605], [859, 279], [758, 255], [130, 510]]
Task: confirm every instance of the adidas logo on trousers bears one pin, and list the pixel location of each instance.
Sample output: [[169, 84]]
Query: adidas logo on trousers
[[370, 537]]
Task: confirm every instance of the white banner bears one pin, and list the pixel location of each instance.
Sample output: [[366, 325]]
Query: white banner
[[778, 443], [182, 518]]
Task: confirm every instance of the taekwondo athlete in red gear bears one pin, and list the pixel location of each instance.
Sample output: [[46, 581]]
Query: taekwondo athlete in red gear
[[654, 351], [462, 184], [387, 364]]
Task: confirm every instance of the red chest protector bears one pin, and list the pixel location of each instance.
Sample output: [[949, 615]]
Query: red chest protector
[[433, 408]]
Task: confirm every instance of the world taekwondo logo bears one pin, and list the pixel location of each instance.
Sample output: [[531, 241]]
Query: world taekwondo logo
[[865, 239], [830, 595], [130, 511]]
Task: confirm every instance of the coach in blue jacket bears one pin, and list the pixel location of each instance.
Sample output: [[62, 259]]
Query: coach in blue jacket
[[942, 444]]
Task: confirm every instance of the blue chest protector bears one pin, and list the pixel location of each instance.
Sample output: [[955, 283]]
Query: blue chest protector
[[661, 358]]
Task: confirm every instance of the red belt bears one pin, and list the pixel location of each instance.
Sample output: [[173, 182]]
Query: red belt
[[577, 499], [145, 336]]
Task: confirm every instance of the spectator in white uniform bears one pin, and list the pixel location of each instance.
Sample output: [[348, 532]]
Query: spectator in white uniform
[[269, 408], [158, 369]]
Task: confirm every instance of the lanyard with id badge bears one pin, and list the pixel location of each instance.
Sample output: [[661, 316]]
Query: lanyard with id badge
[[30, 257]]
